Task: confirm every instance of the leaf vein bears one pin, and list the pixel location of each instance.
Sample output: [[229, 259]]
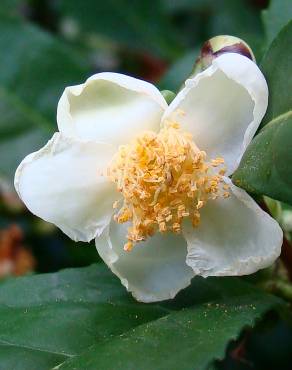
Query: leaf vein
[[4, 342]]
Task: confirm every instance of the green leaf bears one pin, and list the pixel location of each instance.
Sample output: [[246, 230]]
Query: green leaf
[[276, 17], [188, 339], [47, 319], [266, 165], [276, 66], [34, 70]]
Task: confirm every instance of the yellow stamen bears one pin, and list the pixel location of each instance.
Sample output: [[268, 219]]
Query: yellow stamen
[[115, 204], [128, 246], [200, 204], [164, 178]]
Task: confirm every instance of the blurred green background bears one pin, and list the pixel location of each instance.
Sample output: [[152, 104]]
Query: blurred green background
[[50, 44]]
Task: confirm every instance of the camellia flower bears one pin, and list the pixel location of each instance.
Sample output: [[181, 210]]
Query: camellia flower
[[149, 181]]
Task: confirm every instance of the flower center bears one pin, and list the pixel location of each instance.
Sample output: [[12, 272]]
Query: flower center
[[164, 178]]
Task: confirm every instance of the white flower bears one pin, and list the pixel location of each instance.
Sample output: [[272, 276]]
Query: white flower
[[108, 128]]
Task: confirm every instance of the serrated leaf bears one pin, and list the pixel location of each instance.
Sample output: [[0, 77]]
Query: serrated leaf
[[34, 69], [188, 339], [47, 319], [266, 165]]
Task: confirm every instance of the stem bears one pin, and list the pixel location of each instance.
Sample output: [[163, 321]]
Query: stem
[[286, 251], [280, 288]]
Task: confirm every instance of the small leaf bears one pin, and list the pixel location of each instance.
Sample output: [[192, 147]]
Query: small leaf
[[47, 319]]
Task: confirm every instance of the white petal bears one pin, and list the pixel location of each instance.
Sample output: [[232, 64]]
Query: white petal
[[111, 108], [223, 107], [235, 237], [62, 183], [154, 270]]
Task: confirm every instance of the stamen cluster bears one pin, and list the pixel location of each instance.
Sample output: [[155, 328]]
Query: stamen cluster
[[164, 178]]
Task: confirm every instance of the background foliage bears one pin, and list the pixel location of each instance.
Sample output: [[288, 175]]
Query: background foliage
[[82, 318]]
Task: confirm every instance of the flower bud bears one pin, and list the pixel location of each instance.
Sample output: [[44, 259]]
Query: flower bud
[[217, 46]]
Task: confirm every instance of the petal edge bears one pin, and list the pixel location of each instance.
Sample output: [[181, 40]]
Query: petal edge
[[61, 184], [235, 237]]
